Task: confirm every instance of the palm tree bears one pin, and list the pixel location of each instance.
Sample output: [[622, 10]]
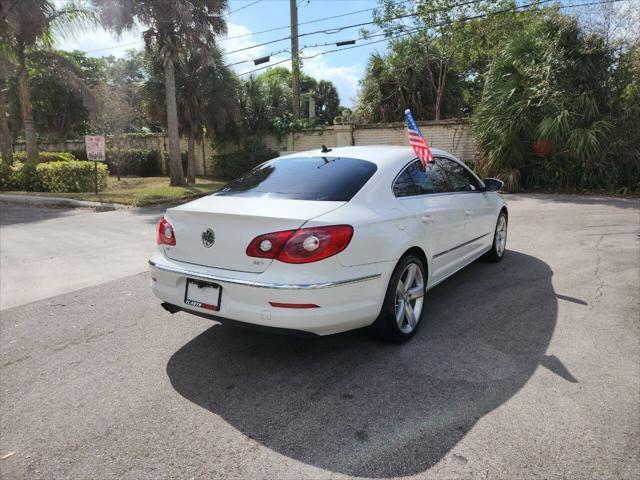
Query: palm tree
[[206, 97], [26, 25], [206, 94], [170, 25]]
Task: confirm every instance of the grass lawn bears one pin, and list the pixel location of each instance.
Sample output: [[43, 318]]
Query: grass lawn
[[140, 191]]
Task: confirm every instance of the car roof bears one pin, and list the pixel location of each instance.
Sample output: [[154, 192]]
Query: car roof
[[381, 155]]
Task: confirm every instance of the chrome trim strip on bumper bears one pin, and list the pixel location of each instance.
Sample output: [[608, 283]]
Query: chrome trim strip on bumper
[[250, 283]]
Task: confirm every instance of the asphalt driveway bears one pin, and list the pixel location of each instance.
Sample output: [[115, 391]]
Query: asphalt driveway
[[525, 369]]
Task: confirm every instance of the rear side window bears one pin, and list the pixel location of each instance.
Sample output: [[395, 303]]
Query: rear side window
[[416, 180], [404, 185], [460, 179], [304, 178]]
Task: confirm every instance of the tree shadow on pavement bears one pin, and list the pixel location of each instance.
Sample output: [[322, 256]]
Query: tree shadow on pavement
[[353, 405], [13, 213]]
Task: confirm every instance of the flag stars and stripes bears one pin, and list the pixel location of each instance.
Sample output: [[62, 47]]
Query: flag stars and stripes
[[417, 140]]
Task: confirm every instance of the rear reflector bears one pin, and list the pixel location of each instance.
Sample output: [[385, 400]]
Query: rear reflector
[[293, 305]]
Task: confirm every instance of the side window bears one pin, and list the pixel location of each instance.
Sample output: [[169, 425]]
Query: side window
[[459, 177], [429, 180], [404, 185], [416, 180]]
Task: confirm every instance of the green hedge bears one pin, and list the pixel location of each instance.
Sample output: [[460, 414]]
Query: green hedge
[[45, 157], [140, 162], [73, 176], [233, 165], [11, 175]]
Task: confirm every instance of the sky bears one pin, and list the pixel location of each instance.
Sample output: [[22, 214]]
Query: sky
[[343, 68]]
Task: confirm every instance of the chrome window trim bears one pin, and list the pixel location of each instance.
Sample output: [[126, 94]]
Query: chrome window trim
[[249, 283]]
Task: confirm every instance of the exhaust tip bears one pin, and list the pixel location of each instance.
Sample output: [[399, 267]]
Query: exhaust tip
[[170, 307]]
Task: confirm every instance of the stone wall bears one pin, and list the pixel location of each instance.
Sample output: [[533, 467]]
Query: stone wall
[[454, 136]]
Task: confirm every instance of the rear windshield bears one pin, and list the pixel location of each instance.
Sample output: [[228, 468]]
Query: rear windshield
[[304, 178]]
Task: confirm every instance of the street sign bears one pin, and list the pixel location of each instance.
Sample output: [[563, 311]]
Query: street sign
[[94, 145]]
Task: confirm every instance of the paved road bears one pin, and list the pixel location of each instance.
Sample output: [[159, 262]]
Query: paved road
[[49, 251], [525, 369]]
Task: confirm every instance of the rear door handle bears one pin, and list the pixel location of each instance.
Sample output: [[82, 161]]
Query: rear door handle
[[468, 212], [426, 218]]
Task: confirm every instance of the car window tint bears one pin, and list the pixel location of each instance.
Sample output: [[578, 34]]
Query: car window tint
[[416, 180], [459, 178], [430, 179], [304, 178], [404, 185]]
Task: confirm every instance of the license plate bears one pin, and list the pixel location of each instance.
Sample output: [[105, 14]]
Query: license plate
[[202, 294]]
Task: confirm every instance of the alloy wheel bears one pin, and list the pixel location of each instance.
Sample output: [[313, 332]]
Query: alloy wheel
[[409, 298], [501, 235]]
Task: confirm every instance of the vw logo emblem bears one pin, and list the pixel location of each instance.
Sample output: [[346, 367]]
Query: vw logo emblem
[[208, 238]]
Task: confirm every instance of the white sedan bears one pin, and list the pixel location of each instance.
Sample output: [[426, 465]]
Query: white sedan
[[326, 240]]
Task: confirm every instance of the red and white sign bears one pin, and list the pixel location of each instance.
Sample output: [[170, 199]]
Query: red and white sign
[[95, 147]]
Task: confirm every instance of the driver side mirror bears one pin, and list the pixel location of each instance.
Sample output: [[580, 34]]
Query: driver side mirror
[[492, 184]]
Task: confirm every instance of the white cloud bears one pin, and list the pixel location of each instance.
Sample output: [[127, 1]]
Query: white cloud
[[344, 78], [247, 41], [100, 43]]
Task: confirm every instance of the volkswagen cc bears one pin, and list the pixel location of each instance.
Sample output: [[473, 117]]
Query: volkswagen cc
[[326, 241]]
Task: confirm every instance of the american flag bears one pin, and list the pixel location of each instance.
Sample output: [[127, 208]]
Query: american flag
[[417, 141]]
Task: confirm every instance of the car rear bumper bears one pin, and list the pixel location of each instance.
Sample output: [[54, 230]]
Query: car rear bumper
[[352, 301]]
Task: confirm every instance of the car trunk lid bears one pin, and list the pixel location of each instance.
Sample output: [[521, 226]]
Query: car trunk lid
[[235, 221]]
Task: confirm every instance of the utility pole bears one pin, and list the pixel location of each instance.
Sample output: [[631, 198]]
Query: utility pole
[[295, 59]]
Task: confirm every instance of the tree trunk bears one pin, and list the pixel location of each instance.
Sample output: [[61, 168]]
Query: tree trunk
[[191, 157], [118, 155], [442, 83], [177, 175], [6, 149], [27, 111]]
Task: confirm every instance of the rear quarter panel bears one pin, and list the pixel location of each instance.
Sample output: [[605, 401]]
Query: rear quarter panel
[[380, 234]]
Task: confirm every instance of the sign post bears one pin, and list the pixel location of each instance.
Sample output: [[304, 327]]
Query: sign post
[[94, 145]]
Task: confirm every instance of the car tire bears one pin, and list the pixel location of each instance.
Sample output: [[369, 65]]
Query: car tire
[[499, 245], [403, 309]]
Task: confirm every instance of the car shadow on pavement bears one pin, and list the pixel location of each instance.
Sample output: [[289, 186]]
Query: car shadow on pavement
[[351, 404]]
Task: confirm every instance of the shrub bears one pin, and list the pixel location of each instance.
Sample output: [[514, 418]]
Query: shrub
[[71, 176], [233, 165], [135, 161], [45, 157], [11, 175]]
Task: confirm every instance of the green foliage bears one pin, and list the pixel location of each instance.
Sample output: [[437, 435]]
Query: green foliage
[[206, 91], [11, 175], [397, 80], [545, 118], [139, 162], [73, 176], [265, 106], [233, 165], [44, 157]]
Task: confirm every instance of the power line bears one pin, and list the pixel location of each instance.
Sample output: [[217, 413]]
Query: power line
[[331, 31], [284, 27], [241, 8], [489, 14], [317, 20]]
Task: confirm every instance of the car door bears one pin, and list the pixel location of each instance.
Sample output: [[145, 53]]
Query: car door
[[476, 204], [425, 193]]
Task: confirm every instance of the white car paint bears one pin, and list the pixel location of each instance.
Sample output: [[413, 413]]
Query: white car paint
[[451, 229]]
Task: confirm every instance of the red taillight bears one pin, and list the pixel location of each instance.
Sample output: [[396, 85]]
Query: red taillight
[[166, 235], [269, 244], [302, 246]]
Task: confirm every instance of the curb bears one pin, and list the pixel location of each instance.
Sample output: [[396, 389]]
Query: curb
[[36, 200]]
